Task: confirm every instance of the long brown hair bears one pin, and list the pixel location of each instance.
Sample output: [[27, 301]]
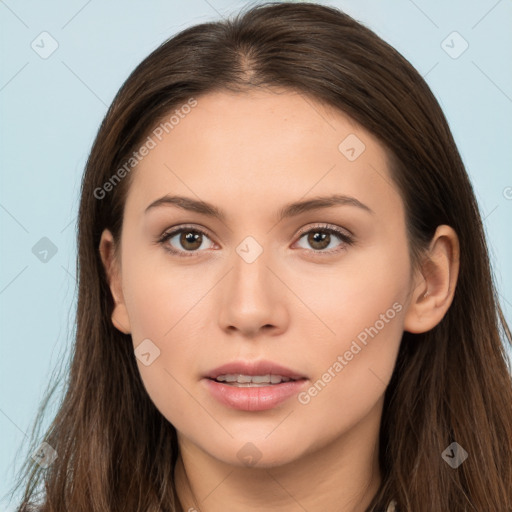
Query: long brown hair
[[452, 384]]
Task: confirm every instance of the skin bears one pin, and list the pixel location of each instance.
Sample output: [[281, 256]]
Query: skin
[[250, 154]]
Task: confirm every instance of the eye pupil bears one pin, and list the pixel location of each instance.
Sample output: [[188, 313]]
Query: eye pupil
[[190, 237], [317, 237]]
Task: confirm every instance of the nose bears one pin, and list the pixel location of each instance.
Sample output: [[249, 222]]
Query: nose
[[253, 298]]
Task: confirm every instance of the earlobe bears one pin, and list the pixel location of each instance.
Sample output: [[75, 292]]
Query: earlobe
[[120, 318], [435, 283]]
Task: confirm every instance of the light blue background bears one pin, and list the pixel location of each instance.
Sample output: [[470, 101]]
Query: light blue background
[[51, 109]]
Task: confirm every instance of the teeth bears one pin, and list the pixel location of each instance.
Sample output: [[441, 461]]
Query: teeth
[[259, 379], [237, 378]]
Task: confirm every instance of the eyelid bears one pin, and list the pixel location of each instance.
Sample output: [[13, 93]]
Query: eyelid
[[326, 226], [181, 227]]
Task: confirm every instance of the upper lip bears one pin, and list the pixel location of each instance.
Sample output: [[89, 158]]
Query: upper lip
[[254, 368]]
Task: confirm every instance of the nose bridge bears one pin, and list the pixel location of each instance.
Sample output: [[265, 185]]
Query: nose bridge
[[250, 297], [250, 272]]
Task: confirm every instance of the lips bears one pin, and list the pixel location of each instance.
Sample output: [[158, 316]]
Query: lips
[[253, 386]]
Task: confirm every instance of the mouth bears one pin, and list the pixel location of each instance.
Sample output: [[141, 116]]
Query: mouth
[[253, 372], [252, 381], [253, 386]]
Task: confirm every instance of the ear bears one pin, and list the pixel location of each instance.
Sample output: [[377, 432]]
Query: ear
[[435, 282], [112, 267]]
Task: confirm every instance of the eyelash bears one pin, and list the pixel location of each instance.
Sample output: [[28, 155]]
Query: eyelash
[[348, 240]]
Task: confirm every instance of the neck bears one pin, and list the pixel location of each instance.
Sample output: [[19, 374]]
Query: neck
[[341, 476]]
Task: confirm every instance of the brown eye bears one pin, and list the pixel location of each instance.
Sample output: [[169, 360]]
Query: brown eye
[[320, 238], [184, 241], [191, 240]]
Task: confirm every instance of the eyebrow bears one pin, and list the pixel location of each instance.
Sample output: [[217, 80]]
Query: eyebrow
[[289, 210]]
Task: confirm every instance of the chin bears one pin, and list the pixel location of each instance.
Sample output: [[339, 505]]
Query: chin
[[257, 453]]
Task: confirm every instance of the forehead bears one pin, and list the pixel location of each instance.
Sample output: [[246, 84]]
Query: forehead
[[258, 147]]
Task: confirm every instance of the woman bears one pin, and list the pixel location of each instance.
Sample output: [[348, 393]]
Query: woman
[[285, 298]]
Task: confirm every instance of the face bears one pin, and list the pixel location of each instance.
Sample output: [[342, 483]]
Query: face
[[318, 294]]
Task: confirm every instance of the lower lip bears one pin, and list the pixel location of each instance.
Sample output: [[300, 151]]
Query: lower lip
[[256, 398]]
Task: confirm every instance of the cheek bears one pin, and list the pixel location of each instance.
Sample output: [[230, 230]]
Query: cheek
[[167, 319], [159, 296], [160, 309], [350, 374], [362, 313], [350, 296]]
